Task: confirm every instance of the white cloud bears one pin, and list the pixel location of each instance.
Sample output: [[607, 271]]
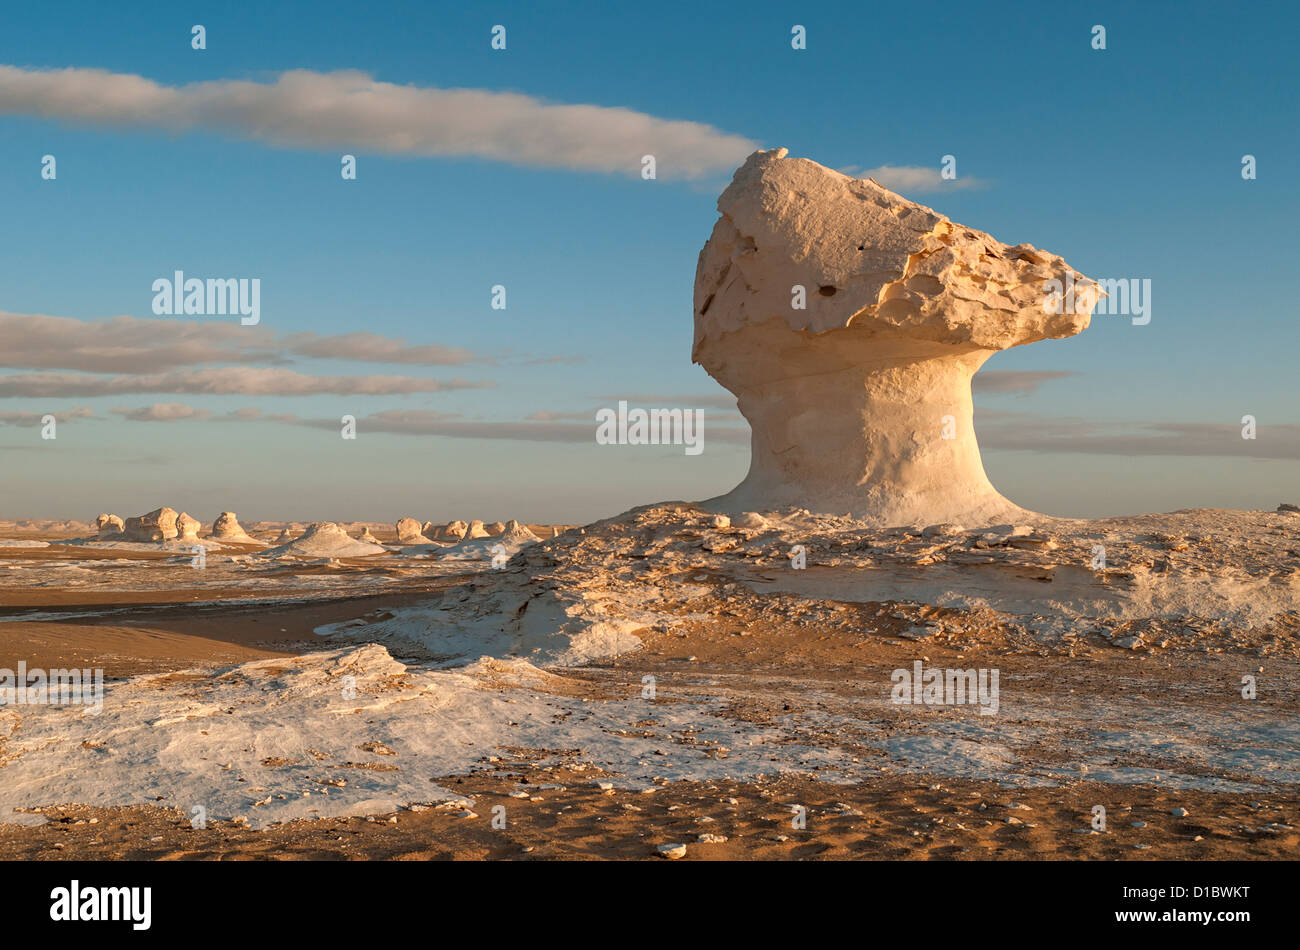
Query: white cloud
[[352, 110], [11, 417], [228, 380], [1015, 380], [161, 412], [133, 345], [914, 179]]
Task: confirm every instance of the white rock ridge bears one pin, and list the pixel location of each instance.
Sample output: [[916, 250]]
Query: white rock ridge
[[861, 402], [109, 526]]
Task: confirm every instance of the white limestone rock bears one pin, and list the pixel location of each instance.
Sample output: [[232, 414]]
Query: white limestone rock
[[325, 539], [452, 531], [187, 528], [228, 528], [156, 525], [409, 531], [861, 402]]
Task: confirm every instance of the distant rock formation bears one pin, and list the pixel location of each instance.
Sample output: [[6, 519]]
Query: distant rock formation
[[325, 539], [484, 548], [368, 537], [409, 532], [848, 321], [228, 528], [187, 528], [451, 531], [476, 530], [495, 528], [157, 525], [109, 526]]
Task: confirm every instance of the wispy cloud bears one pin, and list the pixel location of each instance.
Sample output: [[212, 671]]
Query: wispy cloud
[[1017, 431], [720, 400], [127, 344], [228, 380], [161, 412], [539, 427], [997, 381], [373, 348], [30, 419], [913, 179], [352, 110]]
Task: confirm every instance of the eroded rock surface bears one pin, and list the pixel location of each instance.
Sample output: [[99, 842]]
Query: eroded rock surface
[[156, 525], [858, 387]]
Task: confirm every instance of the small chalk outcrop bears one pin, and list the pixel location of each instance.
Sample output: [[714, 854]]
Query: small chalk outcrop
[[187, 528], [156, 525], [325, 539], [495, 528], [512, 538], [409, 532], [452, 531], [109, 526], [848, 321], [368, 537], [476, 530], [228, 528]]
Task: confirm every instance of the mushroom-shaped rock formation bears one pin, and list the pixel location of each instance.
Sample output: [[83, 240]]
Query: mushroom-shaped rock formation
[[110, 526], [860, 402], [187, 528], [157, 525], [409, 532], [228, 528], [368, 537]]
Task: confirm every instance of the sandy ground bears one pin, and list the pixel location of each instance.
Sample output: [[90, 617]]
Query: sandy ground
[[730, 636], [566, 815]]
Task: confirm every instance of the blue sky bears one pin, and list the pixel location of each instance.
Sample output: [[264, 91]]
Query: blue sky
[[1125, 161]]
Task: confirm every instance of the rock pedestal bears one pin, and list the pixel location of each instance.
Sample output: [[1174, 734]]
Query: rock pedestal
[[848, 321]]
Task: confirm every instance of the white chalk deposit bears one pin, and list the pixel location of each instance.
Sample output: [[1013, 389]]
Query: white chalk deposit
[[858, 387], [324, 539]]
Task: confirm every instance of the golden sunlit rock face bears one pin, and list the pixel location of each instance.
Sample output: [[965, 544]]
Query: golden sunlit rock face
[[848, 321]]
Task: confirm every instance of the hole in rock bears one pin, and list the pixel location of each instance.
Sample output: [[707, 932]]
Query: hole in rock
[[827, 291]]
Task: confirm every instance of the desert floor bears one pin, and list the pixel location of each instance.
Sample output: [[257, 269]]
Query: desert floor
[[747, 657]]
